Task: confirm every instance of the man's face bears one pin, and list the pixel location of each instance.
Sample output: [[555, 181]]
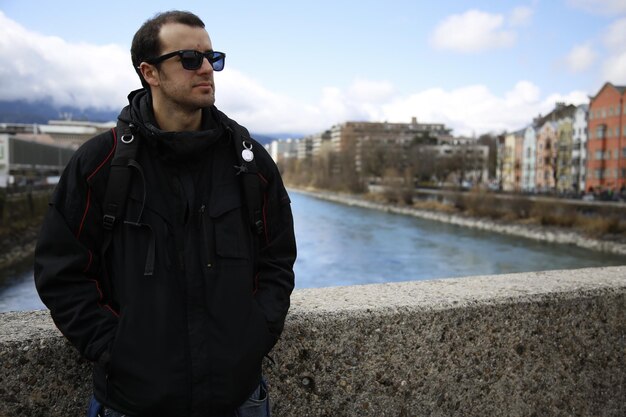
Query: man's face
[[188, 89]]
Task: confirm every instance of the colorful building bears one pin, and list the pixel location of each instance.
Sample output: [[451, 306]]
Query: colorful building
[[546, 156], [529, 159], [606, 145], [512, 161], [564, 180], [579, 147]]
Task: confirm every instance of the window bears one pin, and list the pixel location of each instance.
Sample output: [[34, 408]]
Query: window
[[597, 174], [600, 131], [611, 111], [598, 155], [623, 152], [604, 113], [623, 172]]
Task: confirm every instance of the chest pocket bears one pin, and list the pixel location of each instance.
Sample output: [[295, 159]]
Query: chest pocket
[[227, 215]]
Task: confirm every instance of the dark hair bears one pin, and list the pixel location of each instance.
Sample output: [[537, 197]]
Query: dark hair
[[146, 43]]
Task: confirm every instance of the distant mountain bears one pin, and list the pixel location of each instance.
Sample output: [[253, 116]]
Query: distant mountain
[[42, 111], [262, 139]]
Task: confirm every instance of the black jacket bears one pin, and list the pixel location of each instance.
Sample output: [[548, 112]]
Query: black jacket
[[189, 339]]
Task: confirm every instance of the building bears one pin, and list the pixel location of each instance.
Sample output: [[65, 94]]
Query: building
[[345, 136], [511, 170], [553, 149], [579, 147], [24, 161], [362, 138], [322, 144], [461, 160], [606, 143], [305, 148], [67, 133], [280, 149], [72, 133], [529, 159], [564, 180], [546, 155]]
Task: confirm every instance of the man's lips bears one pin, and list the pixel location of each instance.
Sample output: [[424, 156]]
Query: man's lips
[[204, 85]]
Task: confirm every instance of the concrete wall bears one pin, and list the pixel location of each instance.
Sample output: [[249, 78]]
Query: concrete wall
[[535, 344]]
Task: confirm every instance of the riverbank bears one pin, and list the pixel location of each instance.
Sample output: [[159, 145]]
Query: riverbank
[[18, 244], [20, 220], [550, 234]]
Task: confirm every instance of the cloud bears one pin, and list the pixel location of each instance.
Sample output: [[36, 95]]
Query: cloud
[[615, 36], [614, 68], [580, 58], [472, 31], [262, 110], [475, 109], [601, 7], [33, 66], [265, 111], [521, 16]]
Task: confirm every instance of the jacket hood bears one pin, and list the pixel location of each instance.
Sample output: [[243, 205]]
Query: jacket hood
[[185, 146]]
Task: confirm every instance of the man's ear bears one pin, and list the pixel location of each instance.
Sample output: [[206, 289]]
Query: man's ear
[[149, 73]]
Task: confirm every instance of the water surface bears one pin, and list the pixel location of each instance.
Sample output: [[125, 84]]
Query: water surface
[[345, 245]]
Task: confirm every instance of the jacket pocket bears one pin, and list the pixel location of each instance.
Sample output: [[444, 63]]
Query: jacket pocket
[[227, 215]]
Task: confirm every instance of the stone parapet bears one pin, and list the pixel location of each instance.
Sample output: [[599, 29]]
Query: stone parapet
[[545, 343]]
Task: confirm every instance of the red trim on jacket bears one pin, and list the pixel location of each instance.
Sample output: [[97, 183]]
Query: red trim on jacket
[[89, 261], [98, 168], [108, 307]]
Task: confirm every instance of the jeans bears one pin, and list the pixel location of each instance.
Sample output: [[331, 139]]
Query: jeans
[[258, 405]]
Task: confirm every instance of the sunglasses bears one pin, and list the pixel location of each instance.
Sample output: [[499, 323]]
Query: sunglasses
[[192, 60]]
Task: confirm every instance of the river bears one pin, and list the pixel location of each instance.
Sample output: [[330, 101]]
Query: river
[[345, 245]]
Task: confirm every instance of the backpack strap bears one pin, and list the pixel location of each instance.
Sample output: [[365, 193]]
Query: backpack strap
[[118, 188], [250, 181], [118, 184]]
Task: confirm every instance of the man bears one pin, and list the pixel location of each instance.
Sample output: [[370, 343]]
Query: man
[[179, 310]]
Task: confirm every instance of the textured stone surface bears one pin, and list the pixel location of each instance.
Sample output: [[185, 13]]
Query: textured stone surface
[[547, 343], [41, 375]]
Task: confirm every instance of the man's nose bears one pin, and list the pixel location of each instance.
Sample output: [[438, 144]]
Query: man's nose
[[206, 65]]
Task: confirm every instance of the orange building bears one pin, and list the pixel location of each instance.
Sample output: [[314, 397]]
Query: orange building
[[606, 145]]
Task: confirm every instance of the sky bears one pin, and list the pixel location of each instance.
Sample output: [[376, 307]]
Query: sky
[[301, 67]]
